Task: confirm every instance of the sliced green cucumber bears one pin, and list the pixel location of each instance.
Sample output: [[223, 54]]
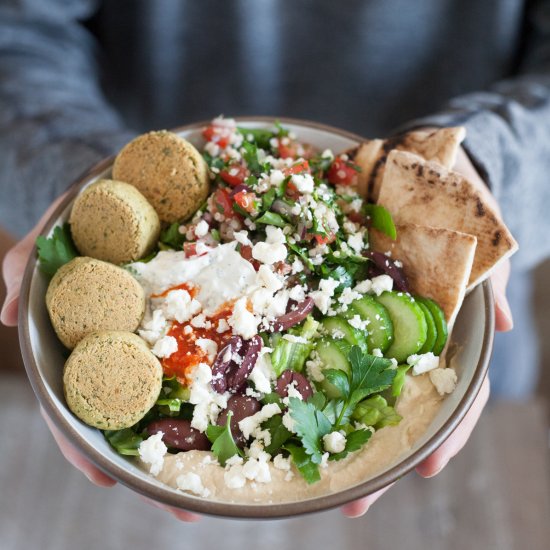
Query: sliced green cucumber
[[432, 330], [440, 324], [338, 328], [380, 326], [409, 324], [333, 355]]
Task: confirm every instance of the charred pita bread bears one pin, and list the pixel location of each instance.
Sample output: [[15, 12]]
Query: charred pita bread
[[439, 145], [436, 261], [416, 190]]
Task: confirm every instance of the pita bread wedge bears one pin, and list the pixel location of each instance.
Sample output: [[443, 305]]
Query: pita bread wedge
[[416, 190], [436, 261], [440, 145]]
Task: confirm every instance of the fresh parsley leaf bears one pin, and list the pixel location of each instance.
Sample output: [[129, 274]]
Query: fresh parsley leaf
[[259, 136], [339, 379], [172, 237], [57, 250], [223, 444], [304, 463], [318, 400], [354, 441], [279, 434], [311, 425], [250, 155], [125, 442], [381, 219], [271, 218], [369, 374]]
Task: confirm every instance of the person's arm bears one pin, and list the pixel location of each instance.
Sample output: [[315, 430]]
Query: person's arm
[[54, 120], [508, 138]]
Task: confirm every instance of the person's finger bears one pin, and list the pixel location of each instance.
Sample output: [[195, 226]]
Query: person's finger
[[439, 459], [13, 268], [503, 315], [359, 508], [182, 515], [76, 458]]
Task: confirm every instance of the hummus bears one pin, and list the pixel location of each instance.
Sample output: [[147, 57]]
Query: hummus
[[418, 405]]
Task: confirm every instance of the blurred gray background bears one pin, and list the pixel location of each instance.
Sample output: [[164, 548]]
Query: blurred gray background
[[494, 495]]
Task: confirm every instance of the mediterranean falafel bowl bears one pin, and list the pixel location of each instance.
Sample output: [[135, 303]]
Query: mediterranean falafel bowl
[[227, 320]]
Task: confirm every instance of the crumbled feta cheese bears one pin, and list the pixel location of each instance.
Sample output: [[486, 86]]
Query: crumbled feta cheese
[[297, 266], [348, 295], [268, 279], [257, 470], [304, 183], [377, 352], [165, 346], [282, 463], [358, 323], [423, 363], [262, 374], [297, 293], [202, 229], [324, 460], [363, 287], [152, 451], [273, 250], [154, 327], [321, 297], [444, 380], [243, 322], [179, 305], [288, 422], [199, 321], [249, 424], [233, 476], [327, 154], [242, 237], [208, 346], [334, 442], [314, 367], [381, 284], [223, 326], [355, 242], [295, 339], [192, 483]]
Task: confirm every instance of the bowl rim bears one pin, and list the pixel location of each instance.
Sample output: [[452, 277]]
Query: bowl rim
[[217, 508]]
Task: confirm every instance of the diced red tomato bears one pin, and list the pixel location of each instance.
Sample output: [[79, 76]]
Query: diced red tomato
[[341, 173], [288, 150], [298, 168], [223, 203], [218, 134], [190, 249], [292, 191], [234, 175], [245, 200], [325, 239]]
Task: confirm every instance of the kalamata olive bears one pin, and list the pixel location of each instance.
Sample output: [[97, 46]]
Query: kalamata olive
[[179, 434], [241, 406], [297, 315], [382, 264], [223, 361], [299, 381], [239, 373]]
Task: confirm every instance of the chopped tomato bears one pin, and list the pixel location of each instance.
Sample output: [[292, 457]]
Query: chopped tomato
[[288, 150], [222, 202], [234, 174], [298, 168], [292, 190], [342, 172], [218, 134], [325, 239], [190, 249], [247, 201]]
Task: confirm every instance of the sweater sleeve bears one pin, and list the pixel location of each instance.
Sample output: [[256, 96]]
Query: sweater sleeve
[[508, 139], [54, 120]]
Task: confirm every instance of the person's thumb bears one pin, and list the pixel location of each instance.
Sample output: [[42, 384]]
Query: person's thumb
[[503, 315]]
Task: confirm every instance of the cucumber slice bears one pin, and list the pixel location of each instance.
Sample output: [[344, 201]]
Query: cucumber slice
[[380, 327], [333, 355], [432, 330], [338, 328], [409, 324], [440, 324]]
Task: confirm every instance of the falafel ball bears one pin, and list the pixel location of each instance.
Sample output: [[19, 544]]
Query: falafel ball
[[87, 295], [112, 221], [111, 380], [168, 170]]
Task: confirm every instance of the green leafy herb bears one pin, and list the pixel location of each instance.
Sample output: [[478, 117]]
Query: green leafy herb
[[259, 136], [311, 425], [172, 237], [354, 441], [173, 394], [126, 442], [279, 434], [223, 444], [271, 218], [381, 219], [57, 250], [304, 463], [250, 155]]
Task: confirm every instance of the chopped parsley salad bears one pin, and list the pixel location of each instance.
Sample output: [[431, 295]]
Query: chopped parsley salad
[[283, 337]]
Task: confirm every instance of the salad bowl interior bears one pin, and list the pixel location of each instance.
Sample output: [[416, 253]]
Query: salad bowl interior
[[44, 357]]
